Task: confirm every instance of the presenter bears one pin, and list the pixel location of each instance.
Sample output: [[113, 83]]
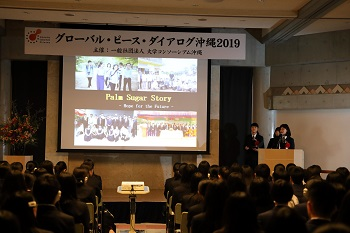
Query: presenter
[[252, 142], [285, 140], [273, 141]]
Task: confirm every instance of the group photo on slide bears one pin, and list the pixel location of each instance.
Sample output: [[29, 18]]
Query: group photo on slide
[[135, 74], [143, 128]]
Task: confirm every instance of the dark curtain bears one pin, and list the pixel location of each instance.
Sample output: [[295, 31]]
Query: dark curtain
[[29, 81], [235, 112]]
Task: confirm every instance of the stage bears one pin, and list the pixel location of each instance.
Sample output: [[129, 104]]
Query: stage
[[150, 208]]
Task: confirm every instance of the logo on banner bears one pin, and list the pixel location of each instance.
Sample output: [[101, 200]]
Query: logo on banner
[[35, 36]]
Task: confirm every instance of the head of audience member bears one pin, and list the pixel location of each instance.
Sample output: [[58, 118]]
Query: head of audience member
[[259, 190], [289, 167], [281, 192], [239, 214], [182, 168], [195, 179], [236, 183], [333, 228], [91, 163], [68, 186], [214, 202], [18, 166], [334, 177], [297, 175], [236, 167], [46, 189], [176, 171], [13, 182], [31, 166], [278, 167], [48, 165], [61, 166], [311, 172], [5, 163], [29, 180], [321, 199], [22, 205], [9, 222], [280, 174], [4, 172], [214, 172], [224, 172], [189, 170], [286, 220], [81, 175], [40, 171], [344, 172], [262, 170], [203, 167], [285, 130], [247, 174]]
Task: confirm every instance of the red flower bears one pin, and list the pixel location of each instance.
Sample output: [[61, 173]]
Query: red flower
[[257, 143], [287, 145]]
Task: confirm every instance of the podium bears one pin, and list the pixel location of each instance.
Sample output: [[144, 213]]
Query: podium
[[132, 199], [284, 156]]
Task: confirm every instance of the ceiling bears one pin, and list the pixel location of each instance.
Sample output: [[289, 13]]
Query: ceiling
[[268, 20]]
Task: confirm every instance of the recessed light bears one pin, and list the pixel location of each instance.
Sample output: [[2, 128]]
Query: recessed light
[[69, 14], [26, 12], [195, 5], [202, 19], [186, 23]]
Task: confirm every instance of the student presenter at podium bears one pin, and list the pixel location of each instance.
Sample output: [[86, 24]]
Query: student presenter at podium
[[252, 142], [285, 140]]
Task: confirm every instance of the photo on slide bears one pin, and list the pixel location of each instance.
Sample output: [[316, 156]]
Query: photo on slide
[[136, 74], [118, 128]]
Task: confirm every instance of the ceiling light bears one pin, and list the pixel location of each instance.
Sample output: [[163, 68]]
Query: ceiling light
[[69, 14], [202, 19], [195, 5]]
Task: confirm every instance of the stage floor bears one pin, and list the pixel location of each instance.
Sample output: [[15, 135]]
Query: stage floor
[[155, 195]]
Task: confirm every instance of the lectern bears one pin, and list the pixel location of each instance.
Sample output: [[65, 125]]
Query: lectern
[[132, 199], [284, 156]]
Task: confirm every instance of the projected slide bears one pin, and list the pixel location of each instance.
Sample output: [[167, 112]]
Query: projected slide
[[134, 104]]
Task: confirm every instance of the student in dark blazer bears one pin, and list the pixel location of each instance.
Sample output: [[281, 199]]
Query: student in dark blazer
[[252, 142], [46, 192], [285, 139]]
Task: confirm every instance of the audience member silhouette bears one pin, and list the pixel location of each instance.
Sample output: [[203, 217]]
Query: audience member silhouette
[[85, 193], [286, 220], [281, 194], [192, 198], [333, 228], [203, 167], [48, 165], [297, 178], [321, 204], [259, 190], [169, 181], [22, 204], [239, 215], [18, 166], [61, 166], [214, 202], [235, 183], [46, 193], [69, 202], [31, 166]]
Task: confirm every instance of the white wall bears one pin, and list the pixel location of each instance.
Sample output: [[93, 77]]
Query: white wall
[[324, 135]]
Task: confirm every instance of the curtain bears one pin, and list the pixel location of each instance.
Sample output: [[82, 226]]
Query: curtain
[[235, 112]]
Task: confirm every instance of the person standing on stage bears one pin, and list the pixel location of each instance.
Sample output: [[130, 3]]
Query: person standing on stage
[[285, 141], [274, 140], [252, 142]]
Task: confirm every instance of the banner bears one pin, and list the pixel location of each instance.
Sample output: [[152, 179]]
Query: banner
[[71, 42]]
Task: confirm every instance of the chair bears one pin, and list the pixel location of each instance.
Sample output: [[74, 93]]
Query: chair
[[78, 228], [170, 214], [92, 216], [177, 220], [183, 226]]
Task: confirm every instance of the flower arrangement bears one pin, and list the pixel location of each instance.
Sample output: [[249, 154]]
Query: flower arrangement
[[20, 128]]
